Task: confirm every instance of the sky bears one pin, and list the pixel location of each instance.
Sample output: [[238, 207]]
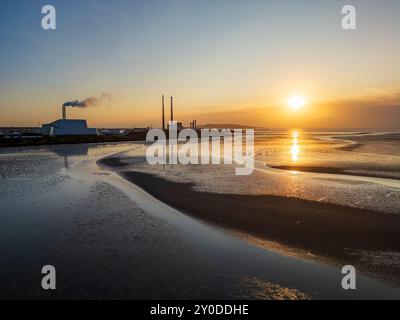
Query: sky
[[224, 61]]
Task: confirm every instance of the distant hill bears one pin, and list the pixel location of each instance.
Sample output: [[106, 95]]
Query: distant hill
[[227, 126]]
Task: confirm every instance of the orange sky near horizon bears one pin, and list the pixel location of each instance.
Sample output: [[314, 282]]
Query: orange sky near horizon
[[375, 108], [224, 62]]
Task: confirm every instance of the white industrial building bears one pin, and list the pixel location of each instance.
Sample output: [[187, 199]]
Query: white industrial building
[[67, 127]]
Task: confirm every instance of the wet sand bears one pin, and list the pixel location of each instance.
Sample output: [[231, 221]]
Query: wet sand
[[331, 170], [337, 233], [375, 143], [113, 162], [109, 239], [365, 146]]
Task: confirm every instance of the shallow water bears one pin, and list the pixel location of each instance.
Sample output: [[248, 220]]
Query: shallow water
[[296, 148], [303, 148], [109, 239]]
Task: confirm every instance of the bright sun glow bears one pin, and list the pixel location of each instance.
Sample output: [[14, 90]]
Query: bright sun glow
[[295, 149], [296, 102]]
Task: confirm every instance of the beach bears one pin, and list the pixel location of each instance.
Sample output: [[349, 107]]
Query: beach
[[330, 170], [193, 156], [330, 231], [334, 232], [116, 228]]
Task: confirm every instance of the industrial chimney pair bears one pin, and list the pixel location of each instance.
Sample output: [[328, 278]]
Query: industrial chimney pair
[[163, 113]]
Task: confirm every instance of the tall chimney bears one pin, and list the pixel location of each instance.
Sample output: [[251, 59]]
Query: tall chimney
[[172, 109], [163, 117], [64, 113]]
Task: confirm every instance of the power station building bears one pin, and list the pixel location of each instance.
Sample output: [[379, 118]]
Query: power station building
[[68, 127]]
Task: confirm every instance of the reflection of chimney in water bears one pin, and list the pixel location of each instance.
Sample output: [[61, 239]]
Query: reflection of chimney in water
[[66, 166], [64, 113]]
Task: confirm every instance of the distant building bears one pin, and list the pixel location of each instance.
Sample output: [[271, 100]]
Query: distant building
[[112, 132], [71, 127], [193, 124], [136, 130], [174, 125]]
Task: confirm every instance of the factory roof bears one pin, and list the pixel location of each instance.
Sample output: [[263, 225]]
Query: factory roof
[[69, 122], [66, 127]]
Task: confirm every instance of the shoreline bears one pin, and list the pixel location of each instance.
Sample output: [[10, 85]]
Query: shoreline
[[332, 232], [331, 170], [51, 141], [362, 141]]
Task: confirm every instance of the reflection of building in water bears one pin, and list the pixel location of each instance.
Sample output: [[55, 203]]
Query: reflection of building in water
[[295, 150], [72, 152]]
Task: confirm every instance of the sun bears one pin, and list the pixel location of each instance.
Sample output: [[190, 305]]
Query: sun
[[296, 102]]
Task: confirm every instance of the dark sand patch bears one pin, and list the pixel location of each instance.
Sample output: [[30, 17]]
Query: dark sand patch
[[330, 232], [380, 144], [325, 230], [319, 227], [351, 147], [113, 162], [332, 170]]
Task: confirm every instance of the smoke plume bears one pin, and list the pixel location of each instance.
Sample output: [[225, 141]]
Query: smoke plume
[[104, 99]]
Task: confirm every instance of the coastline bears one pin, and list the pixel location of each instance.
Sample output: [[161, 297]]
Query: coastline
[[380, 143], [339, 234], [331, 170], [49, 141], [99, 218]]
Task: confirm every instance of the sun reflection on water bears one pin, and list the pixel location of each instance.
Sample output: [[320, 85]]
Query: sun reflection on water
[[295, 149]]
